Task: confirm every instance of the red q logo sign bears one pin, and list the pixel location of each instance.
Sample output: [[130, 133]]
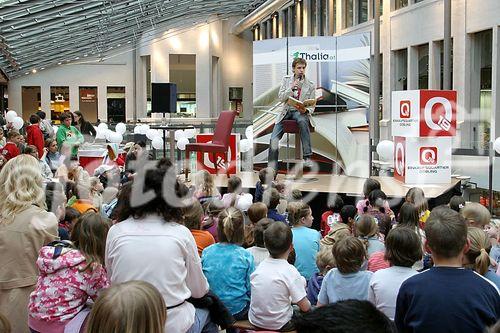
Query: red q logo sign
[[428, 155], [399, 159], [404, 109], [437, 115]]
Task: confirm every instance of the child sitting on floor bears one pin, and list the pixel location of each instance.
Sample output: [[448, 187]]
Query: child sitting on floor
[[70, 274], [332, 215], [227, 266], [205, 189], [347, 280], [343, 228], [305, 239], [477, 257], [416, 196], [276, 284], [385, 220], [192, 215], [256, 212], [259, 250], [476, 215], [133, 306], [363, 205], [266, 179], [457, 202], [403, 249], [211, 219], [366, 230], [235, 193], [272, 199], [325, 262]]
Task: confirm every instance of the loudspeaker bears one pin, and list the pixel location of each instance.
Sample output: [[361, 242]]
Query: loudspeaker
[[163, 98]]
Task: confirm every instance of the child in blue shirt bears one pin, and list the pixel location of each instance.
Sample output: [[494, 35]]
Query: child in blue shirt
[[271, 198], [227, 266], [305, 240], [346, 281]]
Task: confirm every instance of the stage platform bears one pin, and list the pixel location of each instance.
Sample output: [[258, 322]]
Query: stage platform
[[348, 186]]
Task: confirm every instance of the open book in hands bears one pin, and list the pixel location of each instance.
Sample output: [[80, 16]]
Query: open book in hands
[[301, 106]]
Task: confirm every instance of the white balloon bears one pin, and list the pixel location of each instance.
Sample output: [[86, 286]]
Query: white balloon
[[144, 129], [137, 129], [385, 149], [190, 133], [108, 134], [157, 142], [245, 145], [18, 123], [115, 137], [121, 128], [181, 144], [496, 145], [102, 126], [100, 134], [10, 116], [152, 133], [249, 132], [179, 134]]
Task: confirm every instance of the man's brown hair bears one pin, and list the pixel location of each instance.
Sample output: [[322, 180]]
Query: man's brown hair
[[297, 61], [349, 254], [446, 232]]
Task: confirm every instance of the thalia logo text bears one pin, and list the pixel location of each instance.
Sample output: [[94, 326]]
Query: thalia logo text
[[314, 56]]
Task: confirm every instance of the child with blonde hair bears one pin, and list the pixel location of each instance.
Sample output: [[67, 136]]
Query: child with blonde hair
[[133, 306], [477, 258], [325, 262], [476, 215], [305, 239], [227, 265], [205, 189], [70, 274]]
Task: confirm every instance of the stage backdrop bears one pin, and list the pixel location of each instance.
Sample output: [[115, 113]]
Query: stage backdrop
[[340, 68]]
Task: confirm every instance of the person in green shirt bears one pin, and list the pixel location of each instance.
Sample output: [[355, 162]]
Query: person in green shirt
[[69, 134]]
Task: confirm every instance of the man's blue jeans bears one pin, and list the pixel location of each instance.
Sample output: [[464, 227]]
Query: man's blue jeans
[[305, 136]]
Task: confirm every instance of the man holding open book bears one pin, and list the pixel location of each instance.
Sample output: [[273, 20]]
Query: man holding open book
[[298, 96]]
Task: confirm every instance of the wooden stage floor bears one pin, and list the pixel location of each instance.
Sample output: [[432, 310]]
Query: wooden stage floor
[[350, 186]]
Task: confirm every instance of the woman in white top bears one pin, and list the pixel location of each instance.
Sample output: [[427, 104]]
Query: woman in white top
[[148, 244]]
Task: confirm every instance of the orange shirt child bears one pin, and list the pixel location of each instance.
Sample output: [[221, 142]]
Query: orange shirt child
[[203, 239]]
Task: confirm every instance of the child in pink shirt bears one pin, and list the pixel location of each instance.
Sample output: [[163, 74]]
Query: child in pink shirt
[[70, 274]]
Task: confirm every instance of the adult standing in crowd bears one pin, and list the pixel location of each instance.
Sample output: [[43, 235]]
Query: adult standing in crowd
[[25, 226], [68, 133], [45, 125], [84, 126]]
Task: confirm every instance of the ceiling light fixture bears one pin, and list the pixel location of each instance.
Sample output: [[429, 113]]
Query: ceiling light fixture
[[33, 71]]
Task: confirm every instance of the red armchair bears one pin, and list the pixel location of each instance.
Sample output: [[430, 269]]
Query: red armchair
[[219, 144]]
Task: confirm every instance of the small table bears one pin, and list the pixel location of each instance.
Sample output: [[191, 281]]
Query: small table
[[171, 134]]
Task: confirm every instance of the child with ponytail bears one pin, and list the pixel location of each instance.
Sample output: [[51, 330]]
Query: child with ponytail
[[366, 230], [227, 265], [385, 219], [477, 258]]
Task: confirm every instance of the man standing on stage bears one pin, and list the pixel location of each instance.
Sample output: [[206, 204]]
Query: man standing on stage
[[300, 88]]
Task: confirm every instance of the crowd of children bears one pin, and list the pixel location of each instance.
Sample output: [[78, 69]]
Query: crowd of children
[[115, 253]]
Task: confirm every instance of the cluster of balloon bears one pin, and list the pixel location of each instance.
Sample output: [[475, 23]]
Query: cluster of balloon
[[12, 117], [182, 137]]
